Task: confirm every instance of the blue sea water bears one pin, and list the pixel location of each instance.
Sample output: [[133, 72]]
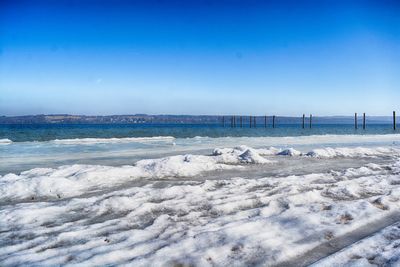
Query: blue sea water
[[33, 145], [46, 132]]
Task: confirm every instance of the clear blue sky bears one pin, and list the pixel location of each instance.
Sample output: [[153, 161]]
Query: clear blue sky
[[199, 57]]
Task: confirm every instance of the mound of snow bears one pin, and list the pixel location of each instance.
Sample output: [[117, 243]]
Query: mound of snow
[[251, 156], [289, 152], [240, 154]]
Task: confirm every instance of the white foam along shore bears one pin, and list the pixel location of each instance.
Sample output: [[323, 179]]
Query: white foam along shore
[[75, 180], [94, 141], [5, 141], [90, 141], [266, 140], [236, 221]]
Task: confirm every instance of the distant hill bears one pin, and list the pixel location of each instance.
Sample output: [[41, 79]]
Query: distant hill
[[179, 119]]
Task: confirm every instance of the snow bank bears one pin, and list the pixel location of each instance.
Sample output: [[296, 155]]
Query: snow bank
[[329, 152], [323, 139], [74, 180], [240, 154], [351, 152]]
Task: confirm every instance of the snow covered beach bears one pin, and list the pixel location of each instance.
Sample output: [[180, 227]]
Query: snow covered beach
[[203, 201]]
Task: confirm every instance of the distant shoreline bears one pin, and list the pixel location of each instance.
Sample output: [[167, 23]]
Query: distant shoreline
[[178, 119]]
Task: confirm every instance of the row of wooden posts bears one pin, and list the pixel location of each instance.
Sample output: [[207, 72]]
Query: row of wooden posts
[[252, 121]]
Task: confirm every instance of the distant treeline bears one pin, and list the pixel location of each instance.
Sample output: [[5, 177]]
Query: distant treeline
[[179, 119]]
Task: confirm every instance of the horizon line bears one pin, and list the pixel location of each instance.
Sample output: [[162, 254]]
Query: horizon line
[[198, 115]]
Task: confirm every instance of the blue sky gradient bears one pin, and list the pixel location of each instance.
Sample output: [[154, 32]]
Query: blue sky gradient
[[199, 57]]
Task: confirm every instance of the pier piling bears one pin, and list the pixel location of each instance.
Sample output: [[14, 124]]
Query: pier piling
[[364, 121], [253, 121], [355, 121]]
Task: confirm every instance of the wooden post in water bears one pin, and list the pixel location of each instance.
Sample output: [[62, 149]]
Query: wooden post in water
[[254, 118], [234, 121], [273, 121], [265, 121], [355, 121], [241, 121], [394, 120], [364, 121], [250, 121], [310, 121], [304, 118]]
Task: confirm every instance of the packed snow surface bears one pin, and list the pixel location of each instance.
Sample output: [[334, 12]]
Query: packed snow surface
[[231, 206]]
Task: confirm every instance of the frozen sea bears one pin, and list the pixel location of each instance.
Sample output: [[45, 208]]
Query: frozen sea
[[199, 195]]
